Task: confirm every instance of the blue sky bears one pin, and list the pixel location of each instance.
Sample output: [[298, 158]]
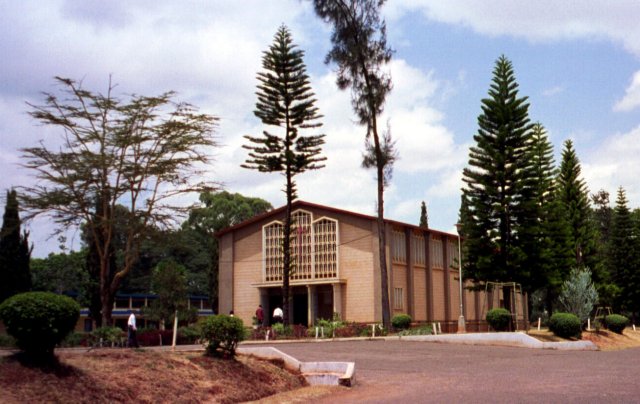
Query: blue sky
[[577, 61]]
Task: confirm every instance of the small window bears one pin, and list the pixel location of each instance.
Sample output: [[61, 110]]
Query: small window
[[398, 299]]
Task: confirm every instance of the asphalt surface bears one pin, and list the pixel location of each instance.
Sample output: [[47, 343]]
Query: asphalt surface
[[425, 372]]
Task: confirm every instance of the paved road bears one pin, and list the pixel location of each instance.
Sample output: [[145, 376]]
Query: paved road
[[403, 371]]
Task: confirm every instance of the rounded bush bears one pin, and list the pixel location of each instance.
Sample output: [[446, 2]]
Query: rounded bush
[[401, 321], [221, 335], [39, 320], [565, 325], [616, 322], [499, 319]]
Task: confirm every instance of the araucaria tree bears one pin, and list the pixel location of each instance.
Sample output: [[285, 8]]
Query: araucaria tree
[[286, 101], [15, 252], [498, 192], [574, 196], [360, 51], [140, 153]]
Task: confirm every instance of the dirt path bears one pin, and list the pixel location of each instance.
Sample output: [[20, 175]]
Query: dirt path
[[401, 371]]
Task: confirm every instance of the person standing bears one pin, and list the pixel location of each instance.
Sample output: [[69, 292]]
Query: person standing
[[277, 315], [260, 315], [132, 338]]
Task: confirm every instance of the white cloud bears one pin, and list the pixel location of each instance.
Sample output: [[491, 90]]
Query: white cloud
[[550, 92], [542, 20], [615, 163], [631, 99]]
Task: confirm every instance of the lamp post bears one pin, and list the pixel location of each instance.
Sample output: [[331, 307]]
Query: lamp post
[[461, 324]]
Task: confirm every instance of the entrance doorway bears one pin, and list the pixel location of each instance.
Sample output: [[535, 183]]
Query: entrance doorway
[[325, 302]]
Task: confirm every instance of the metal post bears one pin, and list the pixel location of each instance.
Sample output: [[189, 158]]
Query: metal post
[[461, 323]]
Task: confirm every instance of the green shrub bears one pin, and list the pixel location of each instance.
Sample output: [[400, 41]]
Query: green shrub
[[108, 336], [221, 334], [565, 325], [7, 341], [422, 330], [74, 339], [499, 319], [401, 321], [188, 335], [616, 322], [39, 320]]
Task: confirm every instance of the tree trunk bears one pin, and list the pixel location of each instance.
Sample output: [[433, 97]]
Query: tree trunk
[[286, 245]]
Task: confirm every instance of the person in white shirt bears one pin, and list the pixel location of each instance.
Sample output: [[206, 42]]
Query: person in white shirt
[[277, 315], [132, 338]]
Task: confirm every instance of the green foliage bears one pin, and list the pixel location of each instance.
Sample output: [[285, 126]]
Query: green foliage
[[169, 283], [424, 217], [401, 321], [499, 319], [421, 330], [573, 194], [7, 341], [624, 256], [578, 294], [616, 323], [39, 320], [108, 336], [285, 101], [221, 335], [62, 272], [565, 325], [143, 151], [360, 51], [74, 339], [498, 194], [218, 211], [15, 252]]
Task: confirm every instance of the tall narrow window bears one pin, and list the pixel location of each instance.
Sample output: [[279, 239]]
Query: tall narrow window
[[417, 249], [273, 256], [301, 263], [399, 248], [326, 248], [436, 252], [398, 299]]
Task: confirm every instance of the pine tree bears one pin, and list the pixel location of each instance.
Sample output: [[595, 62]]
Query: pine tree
[[545, 238], [424, 218], [573, 194], [285, 100], [15, 253], [625, 256], [602, 219], [360, 51], [496, 183]]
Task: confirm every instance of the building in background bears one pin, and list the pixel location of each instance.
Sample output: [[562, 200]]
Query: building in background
[[336, 270]]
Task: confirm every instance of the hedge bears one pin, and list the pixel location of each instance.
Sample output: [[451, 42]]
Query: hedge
[[565, 325], [499, 319], [616, 323]]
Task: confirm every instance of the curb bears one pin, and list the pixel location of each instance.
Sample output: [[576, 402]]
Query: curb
[[316, 373], [520, 340]]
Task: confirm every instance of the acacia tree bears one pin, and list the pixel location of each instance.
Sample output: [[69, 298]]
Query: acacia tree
[[140, 153], [285, 100], [15, 253], [360, 51]]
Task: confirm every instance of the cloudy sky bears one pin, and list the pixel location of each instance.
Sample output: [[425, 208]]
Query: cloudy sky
[[577, 61]]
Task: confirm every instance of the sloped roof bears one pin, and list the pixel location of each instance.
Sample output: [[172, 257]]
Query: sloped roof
[[302, 204]]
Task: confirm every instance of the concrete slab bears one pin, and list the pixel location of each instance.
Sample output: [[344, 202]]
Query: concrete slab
[[515, 339]]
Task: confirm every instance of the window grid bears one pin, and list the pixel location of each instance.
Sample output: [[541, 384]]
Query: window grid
[[436, 253], [273, 255], [398, 299], [417, 249], [314, 248], [453, 255], [399, 249], [326, 248], [301, 256]]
